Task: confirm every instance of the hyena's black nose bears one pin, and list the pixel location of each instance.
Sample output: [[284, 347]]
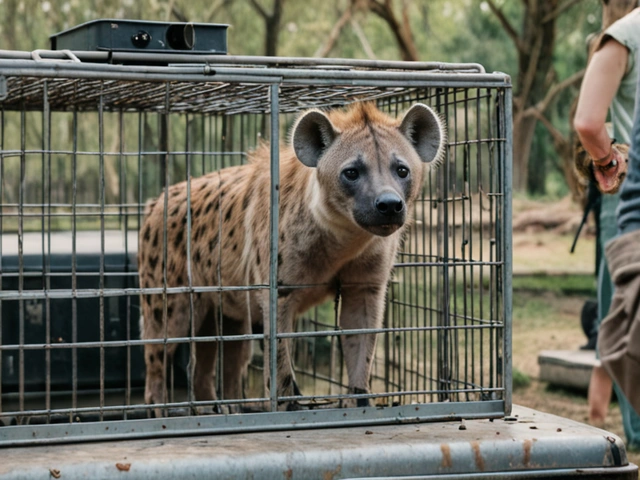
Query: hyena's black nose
[[389, 204]]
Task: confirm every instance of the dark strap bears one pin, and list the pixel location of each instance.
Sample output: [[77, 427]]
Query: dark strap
[[593, 199]]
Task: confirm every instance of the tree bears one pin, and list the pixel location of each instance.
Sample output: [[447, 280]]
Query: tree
[[400, 25], [272, 22], [535, 86], [534, 91]]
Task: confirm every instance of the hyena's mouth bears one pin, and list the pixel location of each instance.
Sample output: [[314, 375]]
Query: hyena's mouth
[[381, 227], [382, 230]]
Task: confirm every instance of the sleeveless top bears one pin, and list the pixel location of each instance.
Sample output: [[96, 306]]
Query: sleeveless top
[[625, 31]]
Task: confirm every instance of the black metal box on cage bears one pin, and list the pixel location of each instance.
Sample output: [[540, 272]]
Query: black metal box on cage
[[84, 145], [113, 35]]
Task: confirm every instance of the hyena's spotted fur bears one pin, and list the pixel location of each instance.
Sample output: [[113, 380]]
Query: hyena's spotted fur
[[346, 185]]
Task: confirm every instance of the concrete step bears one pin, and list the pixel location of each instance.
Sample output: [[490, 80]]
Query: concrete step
[[567, 368]]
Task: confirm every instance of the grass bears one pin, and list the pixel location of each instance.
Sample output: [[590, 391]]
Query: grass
[[565, 284], [520, 379]]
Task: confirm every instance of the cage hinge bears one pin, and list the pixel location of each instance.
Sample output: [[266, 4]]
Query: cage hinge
[[3, 87]]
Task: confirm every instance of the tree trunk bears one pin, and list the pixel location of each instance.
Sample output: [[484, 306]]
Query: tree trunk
[[535, 63], [9, 26], [272, 25], [524, 127], [539, 165]]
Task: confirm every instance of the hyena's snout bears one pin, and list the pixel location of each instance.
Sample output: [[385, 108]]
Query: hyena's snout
[[383, 214], [390, 213], [390, 206]]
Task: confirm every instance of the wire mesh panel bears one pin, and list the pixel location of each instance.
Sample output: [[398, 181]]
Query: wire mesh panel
[[119, 187]]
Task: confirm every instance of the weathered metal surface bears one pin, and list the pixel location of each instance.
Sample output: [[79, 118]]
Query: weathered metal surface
[[529, 444], [137, 426]]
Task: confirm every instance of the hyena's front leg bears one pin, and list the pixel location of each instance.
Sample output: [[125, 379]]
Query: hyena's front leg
[[362, 307], [159, 356], [286, 382], [204, 373], [236, 356]]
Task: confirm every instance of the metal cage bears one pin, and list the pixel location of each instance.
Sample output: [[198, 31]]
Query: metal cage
[[87, 138]]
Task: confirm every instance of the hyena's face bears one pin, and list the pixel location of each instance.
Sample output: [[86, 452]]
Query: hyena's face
[[369, 166]]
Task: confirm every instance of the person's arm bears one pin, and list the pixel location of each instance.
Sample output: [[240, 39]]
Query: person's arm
[[599, 86]]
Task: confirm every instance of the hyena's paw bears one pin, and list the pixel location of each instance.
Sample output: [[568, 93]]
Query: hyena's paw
[[210, 410], [153, 395], [356, 402], [235, 408], [157, 412], [155, 392], [288, 389], [290, 407]]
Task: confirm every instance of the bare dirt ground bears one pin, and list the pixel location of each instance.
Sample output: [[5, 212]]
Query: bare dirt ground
[[550, 319]]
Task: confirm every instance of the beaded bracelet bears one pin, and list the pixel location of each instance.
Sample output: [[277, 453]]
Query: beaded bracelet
[[606, 157]]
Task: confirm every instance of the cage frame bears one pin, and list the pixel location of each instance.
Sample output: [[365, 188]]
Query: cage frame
[[276, 73]]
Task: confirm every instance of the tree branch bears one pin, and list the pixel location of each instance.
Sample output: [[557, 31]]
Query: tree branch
[[261, 11], [407, 33], [558, 138], [381, 10], [169, 10], [175, 11], [215, 8], [532, 69], [560, 10], [401, 31], [325, 49], [366, 46], [506, 25], [543, 104]]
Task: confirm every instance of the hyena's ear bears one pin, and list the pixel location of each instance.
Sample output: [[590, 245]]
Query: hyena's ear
[[427, 132], [313, 133]]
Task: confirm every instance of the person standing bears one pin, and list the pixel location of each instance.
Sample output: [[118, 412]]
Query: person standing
[[619, 336], [609, 86]]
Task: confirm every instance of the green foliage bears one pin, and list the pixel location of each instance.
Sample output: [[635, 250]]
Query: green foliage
[[482, 39], [560, 284], [520, 379]]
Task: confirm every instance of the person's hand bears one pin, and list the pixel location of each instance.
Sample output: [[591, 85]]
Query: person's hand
[[610, 172]]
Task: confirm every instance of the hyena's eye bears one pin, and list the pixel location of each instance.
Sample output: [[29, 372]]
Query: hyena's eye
[[402, 172], [351, 174]]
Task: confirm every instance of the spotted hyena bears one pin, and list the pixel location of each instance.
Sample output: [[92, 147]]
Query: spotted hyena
[[347, 183]]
